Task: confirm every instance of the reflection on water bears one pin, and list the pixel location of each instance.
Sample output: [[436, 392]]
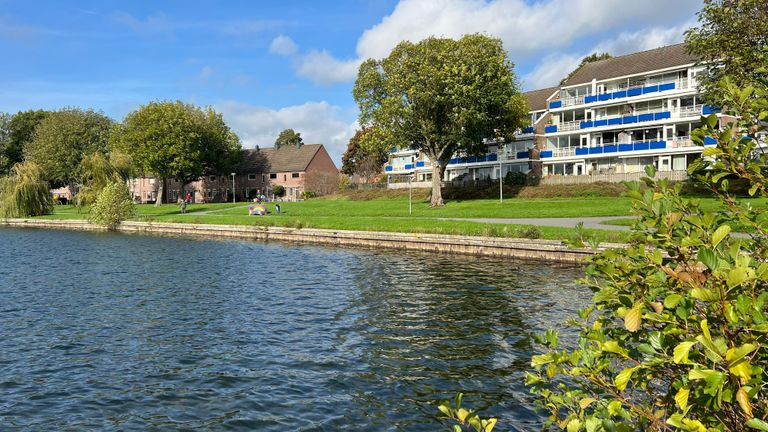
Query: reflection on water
[[115, 332]]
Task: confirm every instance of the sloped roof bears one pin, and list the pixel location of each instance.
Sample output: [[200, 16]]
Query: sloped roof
[[537, 99], [285, 159], [631, 64]]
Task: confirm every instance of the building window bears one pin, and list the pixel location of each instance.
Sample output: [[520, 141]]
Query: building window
[[263, 178], [273, 176], [213, 178], [294, 175], [285, 177], [251, 176]]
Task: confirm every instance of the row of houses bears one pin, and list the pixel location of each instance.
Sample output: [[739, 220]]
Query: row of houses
[[611, 118], [308, 167]]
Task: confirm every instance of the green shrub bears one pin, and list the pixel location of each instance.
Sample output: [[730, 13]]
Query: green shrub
[[308, 194], [677, 336], [25, 193], [515, 179], [278, 190], [113, 205]]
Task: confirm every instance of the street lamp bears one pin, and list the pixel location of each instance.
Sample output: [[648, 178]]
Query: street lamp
[[233, 188], [501, 177]]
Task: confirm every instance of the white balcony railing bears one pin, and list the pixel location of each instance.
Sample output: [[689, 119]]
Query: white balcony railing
[[680, 84], [690, 111]]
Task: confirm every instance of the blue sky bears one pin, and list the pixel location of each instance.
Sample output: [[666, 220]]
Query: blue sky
[[271, 65]]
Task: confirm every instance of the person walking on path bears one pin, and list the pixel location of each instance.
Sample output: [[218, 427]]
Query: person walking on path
[[277, 208], [182, 205], [188, 199]]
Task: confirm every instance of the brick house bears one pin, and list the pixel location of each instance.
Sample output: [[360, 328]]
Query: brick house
[[307, 168]]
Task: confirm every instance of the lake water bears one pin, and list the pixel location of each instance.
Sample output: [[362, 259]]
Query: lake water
[[131, 332]]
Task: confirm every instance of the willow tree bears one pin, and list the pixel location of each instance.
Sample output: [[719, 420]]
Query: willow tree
[[441, 96], [174, 139], [25, 193]]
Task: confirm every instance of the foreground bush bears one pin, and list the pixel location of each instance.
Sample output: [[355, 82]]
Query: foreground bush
[[113, 205], [25, 193], [676, 337]]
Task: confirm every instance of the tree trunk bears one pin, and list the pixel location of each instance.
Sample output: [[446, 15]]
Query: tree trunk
[[159, 197], [437, 182]]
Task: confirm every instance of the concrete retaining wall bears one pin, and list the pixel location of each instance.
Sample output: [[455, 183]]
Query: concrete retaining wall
[[546, 250]]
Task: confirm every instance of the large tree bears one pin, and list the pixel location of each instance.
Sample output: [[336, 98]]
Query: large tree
[[441, 95], [15, 131], [732, 39], [61, 140], [174, 139], [288, 137], [366, 162]]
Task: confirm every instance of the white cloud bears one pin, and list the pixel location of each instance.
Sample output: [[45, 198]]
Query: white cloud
[[283, 45], [318, 123], [321, 67], [205, 73], [550, 71], [525, 27]]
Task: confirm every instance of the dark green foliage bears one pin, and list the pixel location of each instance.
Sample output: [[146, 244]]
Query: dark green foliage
[[515, 179], [289, 137], [62, 138], [25, 193], [366, 162], [15, 131], [113, 205], [278, 190], [732, 39], [677, 337]]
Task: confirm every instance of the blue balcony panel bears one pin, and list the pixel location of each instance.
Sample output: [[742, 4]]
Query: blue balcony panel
[[650, 89], [550, 129], [625, 147], [614, 121], [555, 104], [619, 94], [388, 168], [629, 119], [667, 86], [709, 140], [707, 110], [408, 166], [599, 123], [586, 124], [590, 99], [645, 117], [419, 164], [604, 97], [522, 155], [634, 92], [393, 150], [662, 115], [595, 150], [658, 145], [472, 159], [582, 151], [641, 146], [610, 148], [492, 157], [546, 154], [528, 130]]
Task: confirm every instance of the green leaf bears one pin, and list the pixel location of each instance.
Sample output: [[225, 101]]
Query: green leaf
[[737, 276], [671, 301], [574, 425], [705, 294], [709, 258], [541, 359], [733, 355], [612, 346], [720, 234], [622, 379], [680, 353], [650, 171], [758, 424]]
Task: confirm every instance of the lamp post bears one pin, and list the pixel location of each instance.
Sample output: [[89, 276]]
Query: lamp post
[[233, 188], [410, 195], [501, 177]]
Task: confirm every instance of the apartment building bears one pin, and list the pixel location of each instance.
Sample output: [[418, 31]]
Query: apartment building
[[613, 116]]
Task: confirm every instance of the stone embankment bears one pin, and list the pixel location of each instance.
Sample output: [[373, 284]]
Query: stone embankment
[[545, 250]]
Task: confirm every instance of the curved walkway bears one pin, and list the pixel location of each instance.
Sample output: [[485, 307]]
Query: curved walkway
[[589, 222]]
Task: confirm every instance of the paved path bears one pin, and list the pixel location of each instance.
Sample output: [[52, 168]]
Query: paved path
[[589, 222]]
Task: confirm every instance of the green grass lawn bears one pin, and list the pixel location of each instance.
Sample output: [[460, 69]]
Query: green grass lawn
[[391, 215]]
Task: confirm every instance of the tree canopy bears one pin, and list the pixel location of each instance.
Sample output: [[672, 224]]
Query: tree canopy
[[174, 139], [440, 95], [363, 161], [586, 60], [732, 39], [288, 137], [15, 131], [62, 138]]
